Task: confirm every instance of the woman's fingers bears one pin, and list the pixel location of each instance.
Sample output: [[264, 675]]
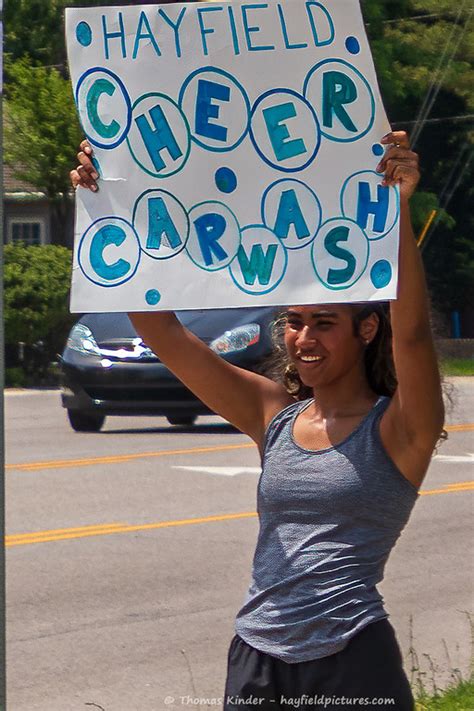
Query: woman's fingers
[[391, 165], [406, 176], [393, 153], [85, 175], [86, 147], [398, 138], [75, 178], [88, 165], [400, 165], [80, 177]]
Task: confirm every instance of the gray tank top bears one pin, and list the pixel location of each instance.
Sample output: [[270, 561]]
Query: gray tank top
[[328, 521]]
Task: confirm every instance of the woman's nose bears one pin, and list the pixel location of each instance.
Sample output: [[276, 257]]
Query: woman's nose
[[305, 336]]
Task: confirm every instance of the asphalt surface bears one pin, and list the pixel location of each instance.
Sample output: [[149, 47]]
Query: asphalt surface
[[126, 563]]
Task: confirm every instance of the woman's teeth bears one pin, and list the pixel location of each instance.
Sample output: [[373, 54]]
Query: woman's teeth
[[310, 359]]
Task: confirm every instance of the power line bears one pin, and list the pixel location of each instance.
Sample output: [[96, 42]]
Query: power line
[[441, 119], [417, 17], [438, 76]]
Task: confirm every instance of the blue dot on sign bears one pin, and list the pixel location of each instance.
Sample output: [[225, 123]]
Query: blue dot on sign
[[84, 34], [377, 149], [226, 180], [152, 297], [381, 274], [352, 45]]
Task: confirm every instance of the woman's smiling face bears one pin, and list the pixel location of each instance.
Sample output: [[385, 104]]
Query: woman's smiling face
[[321, 342]]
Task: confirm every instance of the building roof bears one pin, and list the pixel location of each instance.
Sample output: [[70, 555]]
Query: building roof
[[15, 190], [11, 184]]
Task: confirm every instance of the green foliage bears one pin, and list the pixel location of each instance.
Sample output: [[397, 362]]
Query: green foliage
[[15, 378], [457, 366], [428, 50], [42, 131], [457, 698], [407, 56], [422, 205], [32, 27], [37, 281]]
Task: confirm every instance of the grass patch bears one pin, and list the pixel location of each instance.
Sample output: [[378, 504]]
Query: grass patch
[[458, 698], [458, 366]]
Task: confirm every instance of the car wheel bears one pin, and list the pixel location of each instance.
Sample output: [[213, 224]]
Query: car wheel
[[80, 422], [183, 420]]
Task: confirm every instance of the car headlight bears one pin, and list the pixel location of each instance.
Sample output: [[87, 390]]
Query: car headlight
[[81, 340], [238, 339]]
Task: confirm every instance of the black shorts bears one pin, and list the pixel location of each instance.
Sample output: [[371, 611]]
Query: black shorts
[[368, 672]]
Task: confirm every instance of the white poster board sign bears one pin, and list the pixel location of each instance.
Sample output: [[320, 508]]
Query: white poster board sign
[[237, 145]]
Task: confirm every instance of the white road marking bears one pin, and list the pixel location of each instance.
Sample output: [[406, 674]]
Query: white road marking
[[461, 459], [222, 471]]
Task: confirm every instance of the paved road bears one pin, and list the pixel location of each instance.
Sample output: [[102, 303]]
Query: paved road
[[127, 561]]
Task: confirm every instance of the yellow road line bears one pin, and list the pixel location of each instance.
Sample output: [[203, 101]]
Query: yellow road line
[[93, 529], [39, 537], [460, 428], [120, 458], [450, 489], [65, 534], [116, 459], [460, 485]]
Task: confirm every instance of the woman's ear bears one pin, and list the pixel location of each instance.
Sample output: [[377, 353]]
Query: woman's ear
[[368, 328]]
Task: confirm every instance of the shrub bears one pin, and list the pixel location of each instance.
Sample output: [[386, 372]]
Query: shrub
[[15, 378], [37, 283]]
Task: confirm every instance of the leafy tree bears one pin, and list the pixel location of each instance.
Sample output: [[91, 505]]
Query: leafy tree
[[426, 59], [37, 281], [33, 27], [42, 134]]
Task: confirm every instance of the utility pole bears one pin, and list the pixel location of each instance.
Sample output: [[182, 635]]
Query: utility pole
[[3, 691]]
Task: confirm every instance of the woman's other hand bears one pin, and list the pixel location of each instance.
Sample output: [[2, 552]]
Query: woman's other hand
[[400, 164], [85, 175]]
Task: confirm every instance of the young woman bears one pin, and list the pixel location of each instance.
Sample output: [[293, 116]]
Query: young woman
[[345, 447]]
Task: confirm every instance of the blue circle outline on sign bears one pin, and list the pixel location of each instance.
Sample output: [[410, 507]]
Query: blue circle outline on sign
[[344, 286], [216, 70], [214, 202], [128, 276], [285, 252], [294, 180], [361, 76], [186, 123], [397, 203], [128, 101], [135, 208], [254, 142]]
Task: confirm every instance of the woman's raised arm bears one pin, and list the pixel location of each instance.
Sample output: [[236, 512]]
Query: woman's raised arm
[[246, 399], [415, 418]]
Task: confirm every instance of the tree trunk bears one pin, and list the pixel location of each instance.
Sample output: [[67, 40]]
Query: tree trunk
[[62, 221]]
